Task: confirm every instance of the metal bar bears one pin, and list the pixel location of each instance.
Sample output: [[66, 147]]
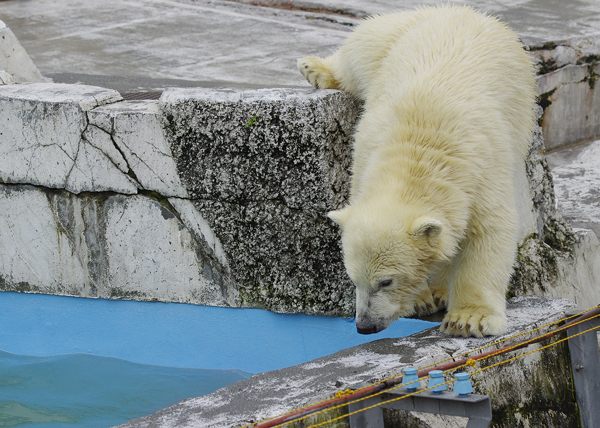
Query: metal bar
[[585, 366], [478, 408]]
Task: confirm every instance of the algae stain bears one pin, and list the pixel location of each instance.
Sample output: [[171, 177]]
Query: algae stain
[[167, 210], [544, 100], [593, 76], [12, 413]]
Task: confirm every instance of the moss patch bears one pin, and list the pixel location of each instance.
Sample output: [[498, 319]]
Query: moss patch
[[544, 99], [252, 121]]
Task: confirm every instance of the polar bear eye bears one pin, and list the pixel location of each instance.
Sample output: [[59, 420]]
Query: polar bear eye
[[385, 283]]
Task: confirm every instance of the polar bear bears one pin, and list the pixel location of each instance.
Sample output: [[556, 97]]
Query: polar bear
[[449, 98]]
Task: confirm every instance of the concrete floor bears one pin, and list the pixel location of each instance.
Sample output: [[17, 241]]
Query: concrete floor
[[144, 45]]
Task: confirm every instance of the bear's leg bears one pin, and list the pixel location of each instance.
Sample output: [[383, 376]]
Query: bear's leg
[[477, 287], [318, 71]]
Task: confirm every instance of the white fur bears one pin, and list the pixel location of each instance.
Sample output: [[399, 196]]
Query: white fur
[[449, 95]]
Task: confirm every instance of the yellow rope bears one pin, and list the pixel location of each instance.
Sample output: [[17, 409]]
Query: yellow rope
[[375, 405], [328, 409], [469, 362], [422, 368], [536, 350], [506, 339]]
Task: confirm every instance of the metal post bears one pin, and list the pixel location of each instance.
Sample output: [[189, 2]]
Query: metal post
[[585, 366], [372, 418]]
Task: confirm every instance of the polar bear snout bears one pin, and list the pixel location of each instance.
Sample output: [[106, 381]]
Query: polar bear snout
[[371, 317], [369, 330], [367, 326]]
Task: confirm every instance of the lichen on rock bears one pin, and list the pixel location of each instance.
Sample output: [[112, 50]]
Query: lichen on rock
[[265, 189]]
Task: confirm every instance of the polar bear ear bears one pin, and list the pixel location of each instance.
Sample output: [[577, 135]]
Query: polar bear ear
[[426, 228], [339, 216]]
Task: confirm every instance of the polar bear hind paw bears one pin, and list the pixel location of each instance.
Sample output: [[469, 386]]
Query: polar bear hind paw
[[317, 73], [473, 322], [440, 298], [424, 304]]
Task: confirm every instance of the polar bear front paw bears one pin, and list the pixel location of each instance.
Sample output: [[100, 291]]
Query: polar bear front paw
[[317, 73], [476, 322]]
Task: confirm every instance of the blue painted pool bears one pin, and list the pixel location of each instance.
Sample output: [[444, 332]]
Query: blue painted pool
[[89, 362]]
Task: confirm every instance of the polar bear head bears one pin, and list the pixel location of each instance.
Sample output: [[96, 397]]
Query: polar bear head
[[388, 256]]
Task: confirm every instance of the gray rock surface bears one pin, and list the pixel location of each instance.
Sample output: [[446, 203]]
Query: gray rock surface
[[104, 245], [43, 142], [263, 167], [576, 182], [554, 260], [92, 204]]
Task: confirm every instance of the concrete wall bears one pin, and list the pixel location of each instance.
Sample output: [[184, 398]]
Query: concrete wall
[[213, 197], [223, 208], [85, 208]]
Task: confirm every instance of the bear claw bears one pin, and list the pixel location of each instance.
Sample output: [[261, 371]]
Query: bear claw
[[317, 73], [475, 322]]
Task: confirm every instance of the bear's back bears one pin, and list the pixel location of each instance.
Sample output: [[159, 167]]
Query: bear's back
[[454, 58]]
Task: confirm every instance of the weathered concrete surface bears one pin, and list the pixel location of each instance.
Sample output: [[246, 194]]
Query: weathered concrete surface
[[181, 43], [545, 400], [42, 126], [576, 181], [105, 245], [92, 204], [552, 259], [132, 134], [233, 42], [235, 217]]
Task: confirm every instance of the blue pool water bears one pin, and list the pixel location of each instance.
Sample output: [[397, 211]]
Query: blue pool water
[[75, 362], [84, 391]]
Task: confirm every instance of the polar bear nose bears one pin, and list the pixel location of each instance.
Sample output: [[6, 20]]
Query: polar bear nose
[[368, 330]]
